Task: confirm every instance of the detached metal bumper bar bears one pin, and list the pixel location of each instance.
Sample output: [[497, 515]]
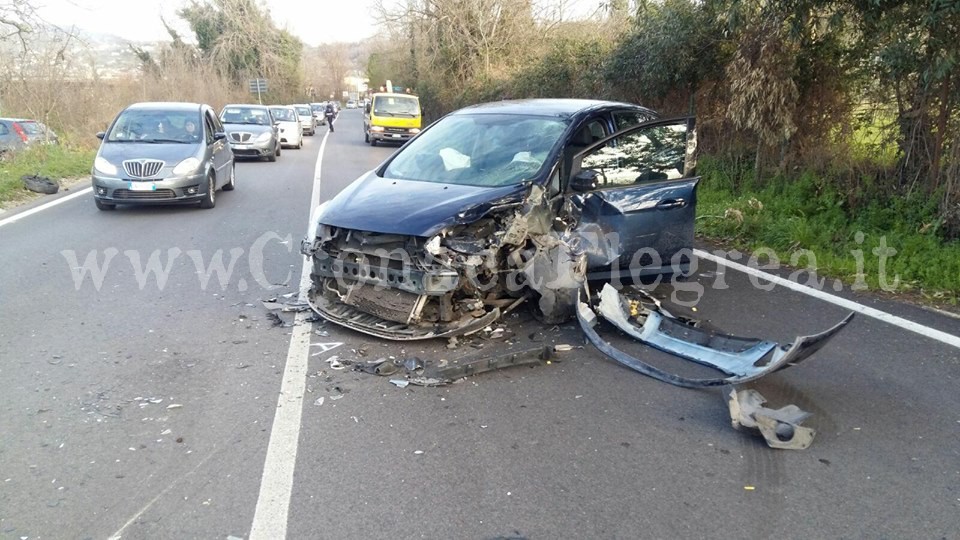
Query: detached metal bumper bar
[[742, 359]]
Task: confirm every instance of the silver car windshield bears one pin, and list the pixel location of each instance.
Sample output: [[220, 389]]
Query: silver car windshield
[[304, 111], [245, 115], [479, 150], [284, 115], [156, 127]]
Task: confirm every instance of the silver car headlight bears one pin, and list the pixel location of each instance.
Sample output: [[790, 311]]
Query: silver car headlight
[[187, 166], [104, 166], [264, 137]]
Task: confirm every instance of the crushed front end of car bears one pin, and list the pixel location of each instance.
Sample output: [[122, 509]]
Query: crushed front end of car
[[455, 282]]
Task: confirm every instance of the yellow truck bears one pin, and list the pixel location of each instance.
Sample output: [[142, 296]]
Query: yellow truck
[[391, 116]]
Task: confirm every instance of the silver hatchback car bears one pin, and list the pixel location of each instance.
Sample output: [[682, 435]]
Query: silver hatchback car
[[161, 153]]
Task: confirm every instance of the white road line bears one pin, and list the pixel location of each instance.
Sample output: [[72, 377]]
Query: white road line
[[276, 484], [34, 210], [925, 331]]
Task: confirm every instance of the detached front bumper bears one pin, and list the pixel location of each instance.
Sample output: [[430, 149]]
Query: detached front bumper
[[740, 359], [181, 189]]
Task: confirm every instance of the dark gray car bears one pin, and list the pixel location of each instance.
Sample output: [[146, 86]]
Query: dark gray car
[[163, 153], [252, 131]]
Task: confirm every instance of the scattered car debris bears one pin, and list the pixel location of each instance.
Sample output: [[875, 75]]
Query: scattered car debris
[[39, 184], [413, 364], [335, 363], [380, 366], [741, 359], [780, 427], [278, 321], [286, 307]]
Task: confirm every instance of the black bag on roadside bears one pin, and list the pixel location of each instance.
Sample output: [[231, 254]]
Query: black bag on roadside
[[39, 184]]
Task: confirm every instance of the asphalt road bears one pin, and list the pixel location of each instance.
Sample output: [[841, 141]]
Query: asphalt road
[[144, 409]]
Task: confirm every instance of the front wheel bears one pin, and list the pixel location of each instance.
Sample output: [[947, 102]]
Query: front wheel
[[210, 199], [366, 137]]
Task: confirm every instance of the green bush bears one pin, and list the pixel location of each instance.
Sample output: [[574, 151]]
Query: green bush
[[54, 162], [808, 213]]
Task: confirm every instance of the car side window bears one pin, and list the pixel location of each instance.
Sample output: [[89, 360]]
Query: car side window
[[3, 129], [209, 130], [215, 122], [625, 119], [650, 154]]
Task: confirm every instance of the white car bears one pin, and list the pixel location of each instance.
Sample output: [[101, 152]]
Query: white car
[[288, 125], [307, 121]]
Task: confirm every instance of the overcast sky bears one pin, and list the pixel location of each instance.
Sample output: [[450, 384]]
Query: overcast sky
[[140, 19], [313, 21]]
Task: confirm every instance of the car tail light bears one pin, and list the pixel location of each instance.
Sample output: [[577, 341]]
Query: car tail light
[[20, 132]]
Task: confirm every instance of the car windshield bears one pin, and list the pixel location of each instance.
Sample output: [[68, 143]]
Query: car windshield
[[479, 150], [156, 126], [304, 111], [396, 106], [245, 115], [284, 115]]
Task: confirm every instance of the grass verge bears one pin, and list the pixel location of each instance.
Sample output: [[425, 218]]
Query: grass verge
[[806, 223], [54, 162]]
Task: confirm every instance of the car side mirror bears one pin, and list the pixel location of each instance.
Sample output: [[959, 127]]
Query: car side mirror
[[220, 136], [101, 134], [585, 180]]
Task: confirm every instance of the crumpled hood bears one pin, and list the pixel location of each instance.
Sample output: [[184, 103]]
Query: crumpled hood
[[169, 153], [408, 207]]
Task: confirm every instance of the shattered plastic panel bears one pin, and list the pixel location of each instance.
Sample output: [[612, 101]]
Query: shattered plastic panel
[[742, 359], [780, 427]]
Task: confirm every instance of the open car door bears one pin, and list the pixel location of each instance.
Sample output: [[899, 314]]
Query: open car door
[[635, 192]]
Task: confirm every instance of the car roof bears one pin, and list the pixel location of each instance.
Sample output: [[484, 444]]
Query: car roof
[[394, 94], [164, 106], [548, 107], [248, 105]]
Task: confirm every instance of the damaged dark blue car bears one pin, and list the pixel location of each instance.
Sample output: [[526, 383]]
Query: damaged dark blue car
[[500, 203]]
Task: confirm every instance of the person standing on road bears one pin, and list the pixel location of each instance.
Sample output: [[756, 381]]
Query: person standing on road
[[331, 115]]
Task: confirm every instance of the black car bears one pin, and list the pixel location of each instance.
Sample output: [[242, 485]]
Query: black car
[[162, 153], [497, 203]]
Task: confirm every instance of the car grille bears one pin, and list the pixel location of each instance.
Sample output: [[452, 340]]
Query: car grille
[[241, 137], [395, 130], [142, 168], [151, 195]]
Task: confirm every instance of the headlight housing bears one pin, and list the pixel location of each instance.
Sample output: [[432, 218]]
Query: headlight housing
[[186, 166], [414, 130], [376, 128], [314, 217], [264, 137], [104, 166]]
